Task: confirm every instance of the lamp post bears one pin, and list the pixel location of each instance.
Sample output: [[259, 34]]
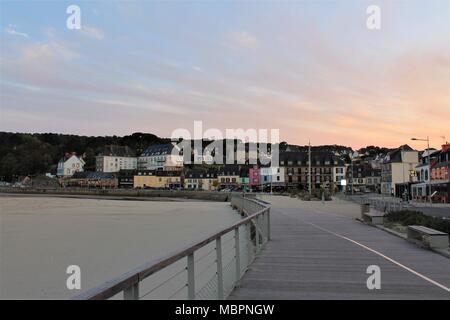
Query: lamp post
[[429, 162], [353, 172], [309, 169], [271, 177]]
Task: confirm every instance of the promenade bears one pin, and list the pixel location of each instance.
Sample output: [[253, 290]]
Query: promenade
[[319, 251], [435, 209]]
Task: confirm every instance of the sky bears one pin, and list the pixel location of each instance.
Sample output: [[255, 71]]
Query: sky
[[311, 69]]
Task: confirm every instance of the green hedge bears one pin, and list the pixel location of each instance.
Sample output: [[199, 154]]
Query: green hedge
[[410, 217]]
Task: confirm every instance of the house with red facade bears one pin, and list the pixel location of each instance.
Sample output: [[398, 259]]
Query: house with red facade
[[440, 175], [255, 177]]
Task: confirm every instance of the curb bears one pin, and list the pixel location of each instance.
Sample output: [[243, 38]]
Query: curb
[[443, 252]]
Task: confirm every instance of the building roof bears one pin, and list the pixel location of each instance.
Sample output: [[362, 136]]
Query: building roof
[[430, 152], [127, 172], [94, 175], [364, 170], [230, 170], [441, 164], [200, 174], [157, 150], [118, 151], [158, 173], [69, 155], [301, 158], [396, 154], [244, 173]]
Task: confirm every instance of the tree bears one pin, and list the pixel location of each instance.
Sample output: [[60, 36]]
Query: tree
[[8, 166]]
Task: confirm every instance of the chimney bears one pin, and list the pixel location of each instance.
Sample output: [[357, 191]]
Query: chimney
[[445, 147]]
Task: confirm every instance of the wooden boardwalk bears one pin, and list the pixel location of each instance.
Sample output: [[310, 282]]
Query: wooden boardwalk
[[315, 254]]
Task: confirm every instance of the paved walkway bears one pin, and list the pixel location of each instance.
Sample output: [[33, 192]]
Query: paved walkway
[[435, 209], [318, 252]]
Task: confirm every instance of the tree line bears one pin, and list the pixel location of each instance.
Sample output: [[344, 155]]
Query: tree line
[[38, 153]]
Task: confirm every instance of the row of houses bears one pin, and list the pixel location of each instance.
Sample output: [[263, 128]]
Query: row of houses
[[116, 158], [412, 175], [432, 176], [327, 171], [402, 172]]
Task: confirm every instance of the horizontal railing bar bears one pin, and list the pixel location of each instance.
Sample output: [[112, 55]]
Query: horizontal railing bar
[[205, 255], [120, 283], [109, 288], [164, 282], [207, 268], [177, 292]]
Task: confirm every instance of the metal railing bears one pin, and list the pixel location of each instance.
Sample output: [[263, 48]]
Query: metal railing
[[207, 269], [382, 204]]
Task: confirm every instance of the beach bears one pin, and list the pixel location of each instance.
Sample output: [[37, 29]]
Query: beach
[[41, 236]]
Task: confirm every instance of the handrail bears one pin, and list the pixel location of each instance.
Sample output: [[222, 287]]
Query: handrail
[[129, 279]]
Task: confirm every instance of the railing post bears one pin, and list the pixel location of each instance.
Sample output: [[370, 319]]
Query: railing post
[[268, 224], [219, 269], [261, 225], [131, 293], [238, 255], [248, 226], [191, 276], [257, 233]]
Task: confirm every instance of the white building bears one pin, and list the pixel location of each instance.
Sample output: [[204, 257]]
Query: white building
[[272, 175], [398, 168], [69, 164], [421, 190], [160, 157], [116, 158], [339, 173]]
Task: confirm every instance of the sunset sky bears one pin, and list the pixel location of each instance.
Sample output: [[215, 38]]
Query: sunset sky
[[311, 69]]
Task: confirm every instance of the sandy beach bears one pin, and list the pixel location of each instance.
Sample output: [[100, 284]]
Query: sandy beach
[[41, 236]]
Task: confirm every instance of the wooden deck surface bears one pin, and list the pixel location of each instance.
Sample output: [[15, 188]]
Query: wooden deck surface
[[317, 254]]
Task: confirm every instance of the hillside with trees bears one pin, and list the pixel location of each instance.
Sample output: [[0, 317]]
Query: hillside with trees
[[38, 153]]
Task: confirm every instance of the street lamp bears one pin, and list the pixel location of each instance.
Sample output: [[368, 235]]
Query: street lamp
[[353, 172], [429, 162]]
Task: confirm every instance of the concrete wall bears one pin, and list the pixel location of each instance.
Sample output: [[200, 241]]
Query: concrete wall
[[183, 194]]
